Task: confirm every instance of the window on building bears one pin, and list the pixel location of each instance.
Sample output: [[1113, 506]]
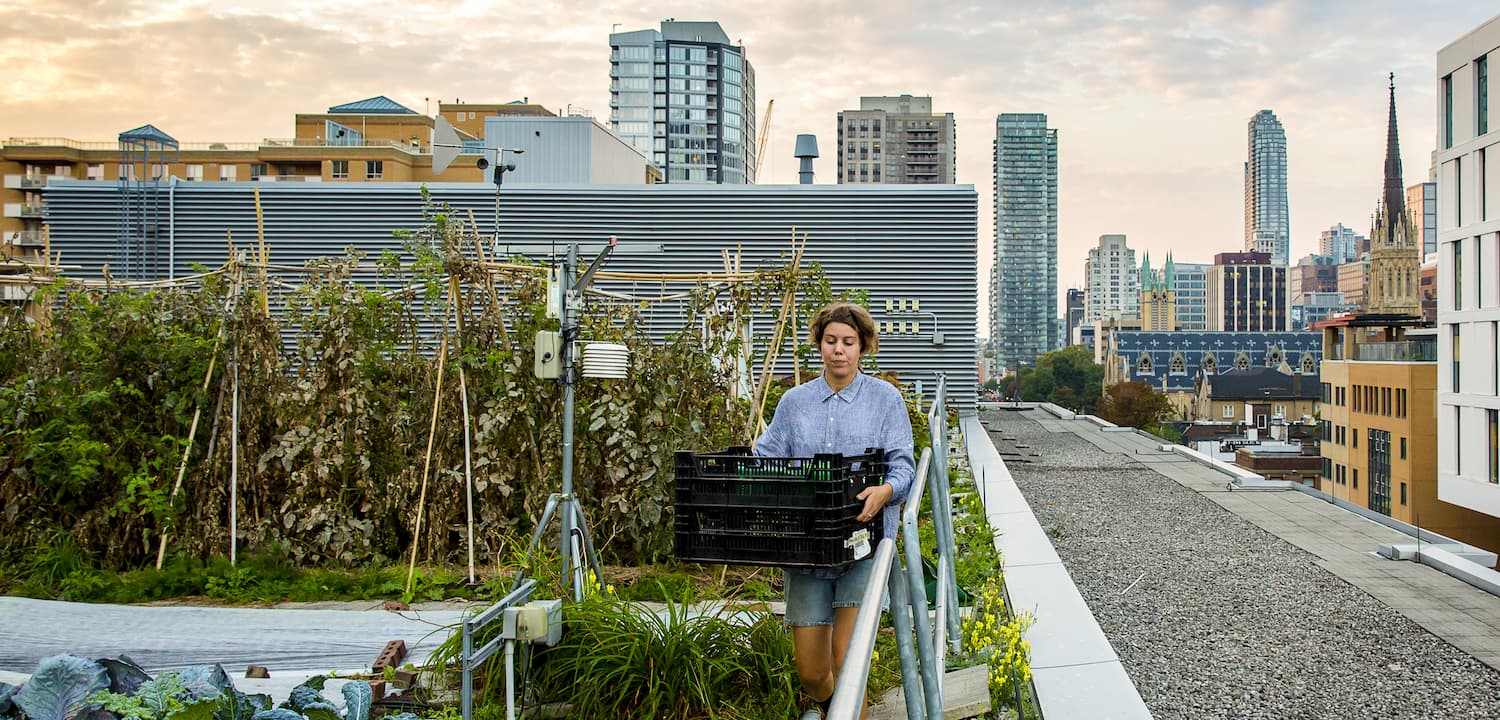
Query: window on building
[[1273, 358], [228, 172], [374, 169], [338, 169], [1403, 493], [1179, 364], [1494, 425], [1484, 204], [1456, 357], [258, 171], [1143, 365], [1242, 362], [1380, 471], [95, 171], [1481, 96], [1228, 412], [193, 171], [1354, 475], [1403, 448], [1447, 90], [1309, 365], [1458, 439]]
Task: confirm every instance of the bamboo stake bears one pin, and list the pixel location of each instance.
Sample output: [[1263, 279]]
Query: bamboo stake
[[161, 547], [489, 278], [796, 277], [758, 402], [463, 393], [437, 397]]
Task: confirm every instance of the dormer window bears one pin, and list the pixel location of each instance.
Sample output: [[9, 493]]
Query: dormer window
[[1179, 364], [1143, 365], [1242, 362]]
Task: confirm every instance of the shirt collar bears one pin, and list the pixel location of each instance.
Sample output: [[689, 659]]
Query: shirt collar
[[849, 394]]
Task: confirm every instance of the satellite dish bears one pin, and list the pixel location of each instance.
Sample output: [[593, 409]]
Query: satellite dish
[[445, 145]]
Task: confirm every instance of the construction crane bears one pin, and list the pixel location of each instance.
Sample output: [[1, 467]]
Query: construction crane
[[765, 134]]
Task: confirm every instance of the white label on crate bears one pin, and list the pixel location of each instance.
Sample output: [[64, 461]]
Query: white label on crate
[[860, 541]]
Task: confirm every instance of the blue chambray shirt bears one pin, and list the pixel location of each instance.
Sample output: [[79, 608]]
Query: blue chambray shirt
[[870, 413]]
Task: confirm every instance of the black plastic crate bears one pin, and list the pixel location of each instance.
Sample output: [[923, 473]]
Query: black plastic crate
[[802, 551], [735, 477], [737, 509]]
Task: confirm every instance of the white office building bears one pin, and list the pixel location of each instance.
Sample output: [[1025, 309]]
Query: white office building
[[1468, 232], [1112, 280]]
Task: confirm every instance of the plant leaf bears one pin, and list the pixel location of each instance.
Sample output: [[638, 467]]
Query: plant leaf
[[59, 687], [124, 675], [278, 714], [202, 709], [302, 696], [159, 696], [206, 682], [357, 699], [320, 711]]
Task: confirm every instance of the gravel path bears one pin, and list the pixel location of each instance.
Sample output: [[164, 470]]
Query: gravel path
[[1227, 620]]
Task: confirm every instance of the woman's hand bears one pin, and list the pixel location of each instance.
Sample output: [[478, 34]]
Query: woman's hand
[[875, 499]]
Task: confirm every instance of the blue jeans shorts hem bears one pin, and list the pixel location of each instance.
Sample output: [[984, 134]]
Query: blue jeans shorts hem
[[813, 594]]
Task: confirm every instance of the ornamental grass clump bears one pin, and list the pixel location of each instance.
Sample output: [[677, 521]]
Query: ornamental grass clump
[[619, 659]]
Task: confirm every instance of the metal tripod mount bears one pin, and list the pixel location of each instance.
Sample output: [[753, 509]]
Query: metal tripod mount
[[575, 545]]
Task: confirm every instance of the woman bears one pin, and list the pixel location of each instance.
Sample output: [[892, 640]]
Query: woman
[[841, 411]]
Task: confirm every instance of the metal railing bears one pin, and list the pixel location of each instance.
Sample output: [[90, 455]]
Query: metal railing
[[1399, 351], [472, 659], [921, 642], [24, 238]]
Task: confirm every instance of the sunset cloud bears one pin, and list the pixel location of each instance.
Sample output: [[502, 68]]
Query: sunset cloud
[[1151, 97]]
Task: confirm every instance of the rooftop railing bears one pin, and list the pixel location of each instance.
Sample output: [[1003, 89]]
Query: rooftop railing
[[1400, 351], [921, 642], [56, 142]]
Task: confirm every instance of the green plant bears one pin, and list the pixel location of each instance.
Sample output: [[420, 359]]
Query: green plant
[[335, 389], [995, 635], [617, 660]]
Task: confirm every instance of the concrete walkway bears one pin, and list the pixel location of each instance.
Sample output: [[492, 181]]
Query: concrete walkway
[[1343, 542]]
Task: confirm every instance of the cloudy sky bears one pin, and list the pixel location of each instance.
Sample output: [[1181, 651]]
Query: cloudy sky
[[1150, 97]]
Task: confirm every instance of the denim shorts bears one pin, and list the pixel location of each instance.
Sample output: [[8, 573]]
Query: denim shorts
[[812, 594]]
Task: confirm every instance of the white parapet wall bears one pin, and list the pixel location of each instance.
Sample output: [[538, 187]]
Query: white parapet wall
[[1074, 668]]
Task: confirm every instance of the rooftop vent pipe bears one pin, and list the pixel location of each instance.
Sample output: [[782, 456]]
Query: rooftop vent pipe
[[806, 150]]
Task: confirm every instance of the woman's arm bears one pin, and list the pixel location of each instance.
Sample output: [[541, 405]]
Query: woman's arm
[[901, 464], [776, 440]]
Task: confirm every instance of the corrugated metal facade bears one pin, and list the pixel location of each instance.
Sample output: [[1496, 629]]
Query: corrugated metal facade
[[901, 243]]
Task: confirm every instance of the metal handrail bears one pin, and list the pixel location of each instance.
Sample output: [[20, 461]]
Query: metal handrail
[[471, 659], [920, 646], [849, 693]]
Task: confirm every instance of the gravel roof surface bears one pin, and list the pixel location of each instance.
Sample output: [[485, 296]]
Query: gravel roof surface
[[1227, 620]]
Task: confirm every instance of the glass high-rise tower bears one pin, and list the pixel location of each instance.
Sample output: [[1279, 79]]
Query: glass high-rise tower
[[1267, 220], [685, 96], [1023, 310]]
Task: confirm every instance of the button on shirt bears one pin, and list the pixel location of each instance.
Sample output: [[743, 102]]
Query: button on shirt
[[869, 413]]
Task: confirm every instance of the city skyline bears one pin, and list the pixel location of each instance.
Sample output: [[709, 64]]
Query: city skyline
[[1151, 96]]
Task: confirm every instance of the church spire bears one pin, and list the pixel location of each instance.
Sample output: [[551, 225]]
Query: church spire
[[1395, 192]]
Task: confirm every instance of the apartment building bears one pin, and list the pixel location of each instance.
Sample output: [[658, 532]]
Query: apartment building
[[896, 140], [1468, 237]]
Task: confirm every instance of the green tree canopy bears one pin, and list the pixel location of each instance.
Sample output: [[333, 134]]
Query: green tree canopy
[[1134, 403], [1068, 377]]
